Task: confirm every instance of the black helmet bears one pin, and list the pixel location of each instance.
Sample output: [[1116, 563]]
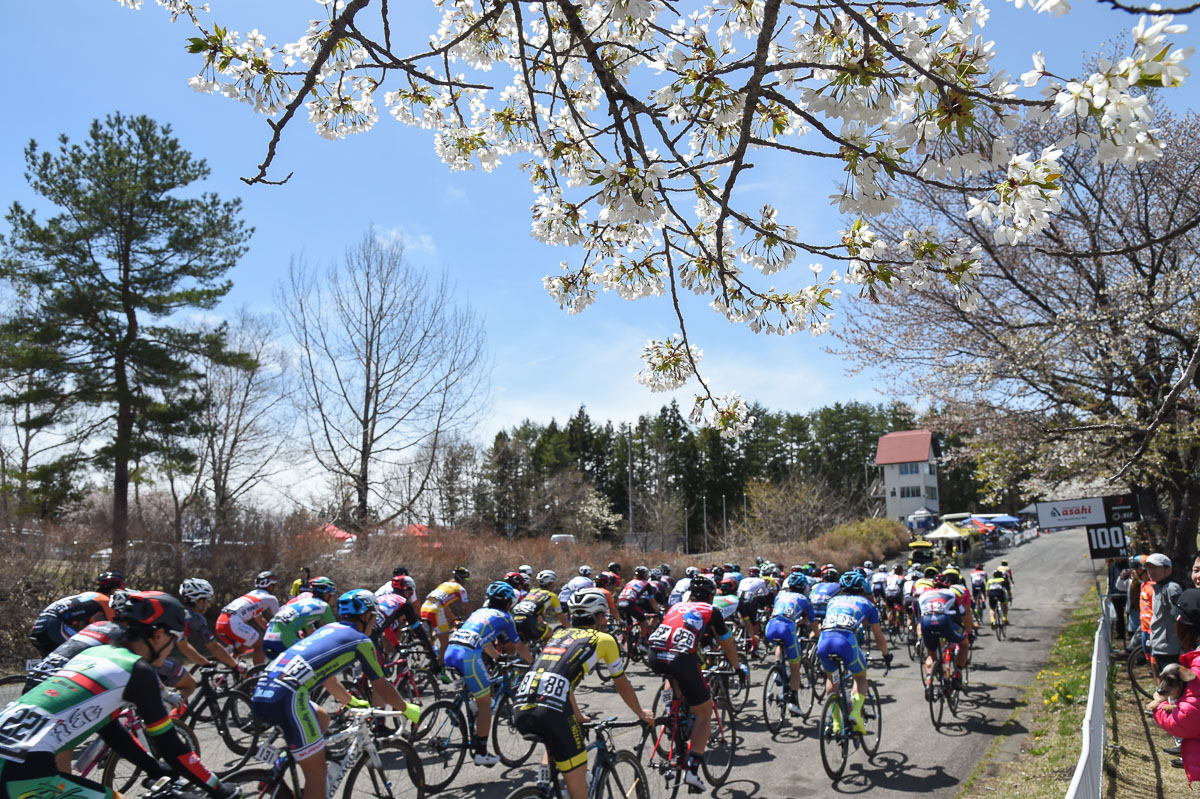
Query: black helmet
[[152, 609], [614, 567], [702, 589], [107, 582], [462, 573], [641, 573], [665, 568]]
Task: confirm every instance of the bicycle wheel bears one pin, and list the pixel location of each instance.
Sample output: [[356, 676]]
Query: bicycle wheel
[[1002, 630], [739, 688], [441, 739], [722, 744], [506, 740], [239, 727], [872, 715], [423, 688], [11, 687], [623, 778], [527, 792], [835, 747], [122, 776], [1141, 672], [774, 706], [935, 697], [398, 775], [261, 782]]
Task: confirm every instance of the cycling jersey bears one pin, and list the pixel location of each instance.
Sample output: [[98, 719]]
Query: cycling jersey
[[62, 619], [95, 634], [679, 590], [252, 605], [527, 613], [635, 592], [465, 649], [81, 698], [281, 696], [893, 586], [684, 627], [792, 606], [1008, 573], [820, 595], [751, 588], [843, 616], [848, 612], [998, 586], [433, 609], [295, 618], [789, 610], [196, 630], [879, 581], [942, 601], [726, 605], [978, 579], [573, 585], [392, 610]]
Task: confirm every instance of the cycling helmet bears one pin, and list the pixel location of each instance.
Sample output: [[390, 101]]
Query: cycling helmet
[[515, 579], [897, 569], [585, 571], [400, 570], [547, 578], [728, 586], [737, 567], [641, 573], [193, 589], [797, 569], [753, 571], [614, 567], [702, 589], [323, 587], [402, 583], [656, 574], [758, 561], [462, 573], [665, 568], [997, 573], [727, 567], [690, 572], [525, 569], [797, 582], [717, 573], [587, 604], [829, 574], [868, 564], [978, 567], [952, 576], [930, 571], [1004, 563], [265, 580], [152, 610], [107, 582], [356, 602], [854, 582], [603, 580], [501, 591]]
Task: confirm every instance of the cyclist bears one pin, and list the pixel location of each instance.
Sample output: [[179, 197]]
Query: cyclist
[[665, 570], [637, 599], [893, 594], [821, 593], [281, 697], [397, 610], [845, 613], [674, 648], [868, 570], [878, 582], [519, 582], [614, 569], [436, 610], [1008, 573], [84, 697], [945, 615], [783, 628], [195, 594], [998, 593], [577, 583], [661, 585], [300, 616], [390, 586], [528, 612], [753, 595], [491, 623], [232, 627], [979, 579], [62, 619], [546, 706], [726, 600], [734, 571], [603, 583], [680, 589]]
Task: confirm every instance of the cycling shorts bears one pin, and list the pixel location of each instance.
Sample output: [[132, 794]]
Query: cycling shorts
[[558, 730], [937, 626], [685, 668], [436, 618], [843, 644], [37, 776], [291, 711], [531, 628], [997, 595], [469, 663], [748, 608], [273, 647], [877, 590], [236, 631], [781, 630], [48, 634], [894, 600], [630, 611]]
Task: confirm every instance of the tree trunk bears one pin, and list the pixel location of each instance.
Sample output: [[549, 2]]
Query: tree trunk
[[120, 519], [1181, 526]]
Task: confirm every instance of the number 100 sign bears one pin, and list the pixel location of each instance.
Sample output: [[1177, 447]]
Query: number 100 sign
[[1106, 541]]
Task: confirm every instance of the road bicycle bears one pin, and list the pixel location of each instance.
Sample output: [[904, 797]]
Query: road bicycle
[[373, 768], [614, 773], [1141, 670], [665, 746], [444, 733], [727, 682], [940, 692], [775, 694], [838, 733], [999, 624], [418, 687], [630, 638]]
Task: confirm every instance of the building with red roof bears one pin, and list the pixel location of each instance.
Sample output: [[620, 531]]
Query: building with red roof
[[908, 461]]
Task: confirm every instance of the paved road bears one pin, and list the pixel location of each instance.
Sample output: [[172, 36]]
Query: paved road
[[913, 758]]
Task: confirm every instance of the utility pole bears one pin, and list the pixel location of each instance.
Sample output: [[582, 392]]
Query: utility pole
[[704, 499], [629, 439], [724, 524]]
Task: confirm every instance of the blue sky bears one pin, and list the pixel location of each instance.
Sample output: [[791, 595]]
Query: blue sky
[[75, 60]]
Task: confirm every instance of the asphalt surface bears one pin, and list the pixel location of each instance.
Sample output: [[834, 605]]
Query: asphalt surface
[[1051, 575]]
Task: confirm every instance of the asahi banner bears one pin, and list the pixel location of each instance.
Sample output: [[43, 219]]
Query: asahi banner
[[1071, 513]]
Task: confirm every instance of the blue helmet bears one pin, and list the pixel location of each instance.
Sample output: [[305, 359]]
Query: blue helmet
[[356, 602], [854, 581], [797, 582], [502, 591]]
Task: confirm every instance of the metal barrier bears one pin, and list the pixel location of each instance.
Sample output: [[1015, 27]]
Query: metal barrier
[[1089, 771]]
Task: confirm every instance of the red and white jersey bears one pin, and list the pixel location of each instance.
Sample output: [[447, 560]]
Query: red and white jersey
[[978, 579], [634, 591], [937, 601], [684, 627], [255, 603]]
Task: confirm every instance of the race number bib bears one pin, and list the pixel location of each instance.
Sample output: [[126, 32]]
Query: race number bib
[[552, 689], [525, 608], [297, 672], [21, 726], [467, 638]]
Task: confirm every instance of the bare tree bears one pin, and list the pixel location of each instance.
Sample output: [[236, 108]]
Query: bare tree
[[247, 432], [391, 367], [797, 508]]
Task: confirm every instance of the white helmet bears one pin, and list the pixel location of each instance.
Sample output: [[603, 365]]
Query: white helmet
[[585, 571], [525, 569], [547, 578], [867, 564], [194, 589], [590, 602]]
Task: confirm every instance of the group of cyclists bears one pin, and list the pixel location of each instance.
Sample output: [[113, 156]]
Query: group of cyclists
[[113, 646]]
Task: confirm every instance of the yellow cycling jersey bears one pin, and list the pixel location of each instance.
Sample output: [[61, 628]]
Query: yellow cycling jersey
[[570, 653], [536, 603], [445, 594]]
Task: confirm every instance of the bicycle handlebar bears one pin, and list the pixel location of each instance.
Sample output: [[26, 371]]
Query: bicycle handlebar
[[373, 711], [611, 723]]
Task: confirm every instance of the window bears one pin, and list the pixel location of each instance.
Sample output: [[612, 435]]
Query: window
[[930, 492], [908, 492], [932, 467], [910, 468]]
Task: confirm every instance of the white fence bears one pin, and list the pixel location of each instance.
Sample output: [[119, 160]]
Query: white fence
[[1089, 771]]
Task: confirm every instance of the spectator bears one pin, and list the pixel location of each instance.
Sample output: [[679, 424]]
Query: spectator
[[1182, 719], [1137, 574], [1196, 570], [1164, 643], [300, 584], [1145, 604], [1118, 586]]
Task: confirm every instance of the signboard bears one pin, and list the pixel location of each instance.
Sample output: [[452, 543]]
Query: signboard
[[1121, 508], [1106, 541], [1071, 513]]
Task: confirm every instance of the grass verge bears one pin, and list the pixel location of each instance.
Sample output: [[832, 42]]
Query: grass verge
[[1052, 712]]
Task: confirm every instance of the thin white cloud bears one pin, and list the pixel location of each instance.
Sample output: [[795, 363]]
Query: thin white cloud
[[415, 243]]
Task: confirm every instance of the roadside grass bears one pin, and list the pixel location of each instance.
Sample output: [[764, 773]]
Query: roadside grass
[[1052, 712], [1135, 767]]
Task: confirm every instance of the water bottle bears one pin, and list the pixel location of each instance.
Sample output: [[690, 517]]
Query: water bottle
[[543, 777], [667, 696]]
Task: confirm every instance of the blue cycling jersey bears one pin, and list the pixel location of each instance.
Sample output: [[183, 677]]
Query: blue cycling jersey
[[848, 611], [310, 660], [820, 594], [483, 627], [793, 606]]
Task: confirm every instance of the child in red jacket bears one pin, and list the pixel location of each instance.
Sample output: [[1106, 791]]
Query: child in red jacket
[[1182, 719]]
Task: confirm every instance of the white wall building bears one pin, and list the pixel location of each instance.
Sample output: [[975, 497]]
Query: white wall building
[[908, 460]]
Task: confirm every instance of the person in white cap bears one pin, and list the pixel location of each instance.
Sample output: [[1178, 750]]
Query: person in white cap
[[1164, 643]]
